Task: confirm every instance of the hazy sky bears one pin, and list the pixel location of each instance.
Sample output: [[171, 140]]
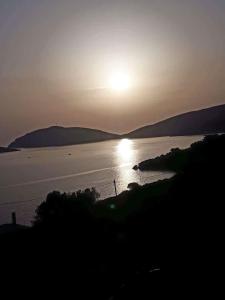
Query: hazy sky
[[57, 58]]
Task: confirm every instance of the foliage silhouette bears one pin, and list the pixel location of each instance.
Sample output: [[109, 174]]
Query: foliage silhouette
[[137, 244], [66, 208]]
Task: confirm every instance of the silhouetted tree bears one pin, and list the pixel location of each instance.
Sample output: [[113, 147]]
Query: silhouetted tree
[[66, 207]]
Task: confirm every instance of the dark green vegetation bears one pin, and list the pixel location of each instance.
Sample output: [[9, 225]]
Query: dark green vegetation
[[6, 150], [151, 239], [61, 136], [205, 121]]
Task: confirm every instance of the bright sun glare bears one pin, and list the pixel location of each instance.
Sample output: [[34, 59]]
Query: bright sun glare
[[125, 150], [119, 81]]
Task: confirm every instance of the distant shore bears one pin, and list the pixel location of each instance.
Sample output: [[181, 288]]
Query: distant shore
[[201, 122], [7, 150]]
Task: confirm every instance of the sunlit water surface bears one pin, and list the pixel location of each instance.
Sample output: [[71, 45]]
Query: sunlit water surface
[[27, 176]]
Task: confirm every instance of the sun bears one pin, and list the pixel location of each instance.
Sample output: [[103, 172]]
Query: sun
[[119, 81]]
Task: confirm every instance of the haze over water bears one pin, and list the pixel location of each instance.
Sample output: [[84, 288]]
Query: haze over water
[[28, 175]]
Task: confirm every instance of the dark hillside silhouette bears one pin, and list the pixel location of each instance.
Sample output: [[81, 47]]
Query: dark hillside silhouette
[[205, 121], [178, 160], [149, 239], [61, 136]]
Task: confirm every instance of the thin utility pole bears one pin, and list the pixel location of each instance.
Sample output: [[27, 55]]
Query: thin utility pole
[[114, 182], [13, 218]]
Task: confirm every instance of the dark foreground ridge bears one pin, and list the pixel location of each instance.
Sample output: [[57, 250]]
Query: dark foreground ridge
[[177, 159], [61, 136], [152, 239]]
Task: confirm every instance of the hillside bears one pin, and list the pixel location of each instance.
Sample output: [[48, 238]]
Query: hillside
[[205, 121], [133, 245], [179, 159], [61, 136]]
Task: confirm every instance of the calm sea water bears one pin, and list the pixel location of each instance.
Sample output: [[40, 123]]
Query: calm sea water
[[27, 176]]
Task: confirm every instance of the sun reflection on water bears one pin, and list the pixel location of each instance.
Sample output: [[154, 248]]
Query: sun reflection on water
[[125, 160], [125, 151]]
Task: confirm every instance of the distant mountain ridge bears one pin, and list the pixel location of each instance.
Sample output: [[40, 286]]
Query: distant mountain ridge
[[204, 121], [199, 122], [61, 136]]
